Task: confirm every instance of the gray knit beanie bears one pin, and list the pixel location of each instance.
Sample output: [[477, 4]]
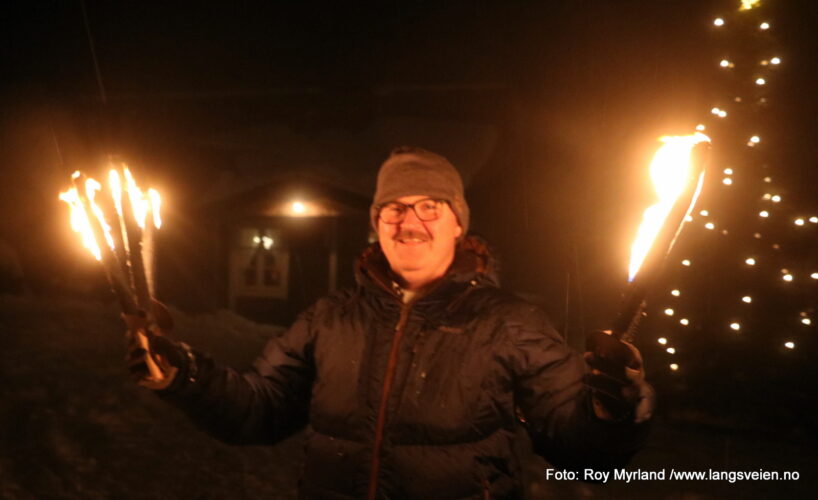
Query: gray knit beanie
[[413, 171]]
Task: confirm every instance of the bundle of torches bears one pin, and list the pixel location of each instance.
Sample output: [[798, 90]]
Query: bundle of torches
[[119, 234]]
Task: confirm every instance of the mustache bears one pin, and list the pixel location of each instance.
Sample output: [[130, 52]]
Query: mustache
[[412, 234]]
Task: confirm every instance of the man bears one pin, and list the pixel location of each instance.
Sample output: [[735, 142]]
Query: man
[[412, 384]]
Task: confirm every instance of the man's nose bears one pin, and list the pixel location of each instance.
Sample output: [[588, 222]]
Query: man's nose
[[411, 218]]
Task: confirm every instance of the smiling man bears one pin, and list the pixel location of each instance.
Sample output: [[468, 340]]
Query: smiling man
[[412, 384]]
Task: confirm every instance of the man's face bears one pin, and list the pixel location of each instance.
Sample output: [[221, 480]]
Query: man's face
[[420, 251]]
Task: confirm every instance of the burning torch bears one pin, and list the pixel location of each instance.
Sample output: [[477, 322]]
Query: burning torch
[[677, 171], [123, 244]]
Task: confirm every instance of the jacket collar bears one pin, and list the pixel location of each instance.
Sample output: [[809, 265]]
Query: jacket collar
[[473, 265]]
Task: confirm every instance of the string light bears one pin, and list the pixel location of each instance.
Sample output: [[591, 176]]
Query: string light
[[674, 366], [813, 219], [684, 321], [749, 4], [700, 127], [775, 60], [764, 213], [806, 321], [761, 81], [727, 181], [754, 140], [787, 277], [728, 171], [662, 340], [735, 326], [686, 262], [768, 179], [688, 218], [724, 63], [799, 221], [814, 276], [750, 261], [675, 293], [671, 350], [710, 226], [704, 213], [775, 198], [718, 21], [765, 25], [669, 311], [747, 299], [789, 345], [757, 236]]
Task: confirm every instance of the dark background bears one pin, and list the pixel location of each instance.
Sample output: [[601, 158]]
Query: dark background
[[552, 108]]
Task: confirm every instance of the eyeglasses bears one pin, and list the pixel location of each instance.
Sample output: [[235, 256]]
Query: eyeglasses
[[427, 209]]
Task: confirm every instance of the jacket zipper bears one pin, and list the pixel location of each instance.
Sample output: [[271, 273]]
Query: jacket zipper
[[389, 377]]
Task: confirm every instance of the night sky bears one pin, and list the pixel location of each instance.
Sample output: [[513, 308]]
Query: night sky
[[551, 110]]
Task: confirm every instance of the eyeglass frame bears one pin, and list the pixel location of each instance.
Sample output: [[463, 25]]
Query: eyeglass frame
[[407, 206]]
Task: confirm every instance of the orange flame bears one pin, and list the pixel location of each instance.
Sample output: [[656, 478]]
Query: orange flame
[[670, 173], [81, 222]]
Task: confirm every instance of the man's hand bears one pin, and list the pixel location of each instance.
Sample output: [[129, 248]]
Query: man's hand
[[617, 379], [153, 359]]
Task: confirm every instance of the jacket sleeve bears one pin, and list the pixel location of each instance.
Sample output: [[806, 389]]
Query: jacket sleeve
[[261, 406], [555, 404]]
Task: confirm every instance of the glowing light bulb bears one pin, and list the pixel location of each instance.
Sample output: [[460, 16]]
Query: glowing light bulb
[[662, 340], [755, 139], [688, 218], [684, 321], [700, 127], [750, 261], [767, 196], [789, 345], [814, 276], [710, 226], [775, 60], [724, 63], [747, 299], [806, 321], [776, 246], [674, 366], [671, 350], [298, 207], [704, 213], [787, 277], [775, 198], [727, 181], [764, 26], [764, 62], [813, 219], [686, 262], [675, 293], [669, 311], [757, 236], [799, 221], [735, 326], [728, 171], [768, 179], [761, 81], [718, 21], [715, 111], [764, 213]]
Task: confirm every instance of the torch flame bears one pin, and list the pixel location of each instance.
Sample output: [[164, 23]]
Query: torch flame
[[156, 205], [115, 184], [80, 222], [139, 204], [91, 188], [669, 171]]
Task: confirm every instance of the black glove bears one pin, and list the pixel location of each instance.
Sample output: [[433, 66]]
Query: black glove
[[617, 379], [154, 360]]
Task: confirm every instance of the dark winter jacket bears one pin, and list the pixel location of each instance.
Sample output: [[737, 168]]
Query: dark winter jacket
[[413, 400]]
